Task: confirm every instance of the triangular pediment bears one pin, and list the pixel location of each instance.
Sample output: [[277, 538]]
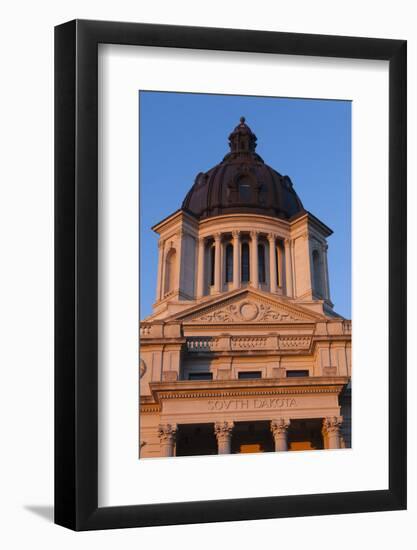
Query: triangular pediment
[[247, 306]]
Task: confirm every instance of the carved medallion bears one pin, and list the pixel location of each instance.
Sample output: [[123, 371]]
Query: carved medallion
[[249, 311]]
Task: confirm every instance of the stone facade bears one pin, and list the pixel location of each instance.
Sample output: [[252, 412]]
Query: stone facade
[[243, 343]]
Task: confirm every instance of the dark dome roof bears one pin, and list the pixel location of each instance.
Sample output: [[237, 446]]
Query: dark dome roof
[[242, 183]]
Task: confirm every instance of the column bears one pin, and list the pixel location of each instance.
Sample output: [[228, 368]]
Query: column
[[217, 262], [326, 270], [223, 431], [272, 262], [279, 429], [200, 267], [161, 259], [288, 269], [254, 259], [331, 431], [167, 434], [236, 259]]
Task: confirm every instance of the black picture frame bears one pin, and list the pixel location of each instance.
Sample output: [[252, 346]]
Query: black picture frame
[[76, 272]]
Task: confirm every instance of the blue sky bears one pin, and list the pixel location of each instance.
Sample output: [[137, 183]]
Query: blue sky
[[307, 139]]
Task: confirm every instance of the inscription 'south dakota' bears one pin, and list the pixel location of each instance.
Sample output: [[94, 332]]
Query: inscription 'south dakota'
[[248, 404]]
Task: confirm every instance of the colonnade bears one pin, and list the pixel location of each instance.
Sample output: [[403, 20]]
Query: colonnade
[[279, 427], [276, 267]]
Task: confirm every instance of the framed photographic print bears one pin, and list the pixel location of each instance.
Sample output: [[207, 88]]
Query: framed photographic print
[[230, 275]]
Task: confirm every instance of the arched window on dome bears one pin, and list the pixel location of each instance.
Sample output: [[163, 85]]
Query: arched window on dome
[[245, 267], [317, 274], [261, 263], [245, 189], [170, 271], [229, 263]]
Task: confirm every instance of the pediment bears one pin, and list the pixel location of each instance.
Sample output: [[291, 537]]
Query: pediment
[[247, 307]]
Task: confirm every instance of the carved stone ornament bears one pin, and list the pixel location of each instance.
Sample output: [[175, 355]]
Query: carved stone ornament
[[167, 432], [223, 430], [332, 424], [280, 426], [246, 311], [142, 368]]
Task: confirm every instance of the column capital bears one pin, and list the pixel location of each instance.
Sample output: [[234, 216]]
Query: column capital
[[167, 432], [236, 234], [279, 429], [280, 426], [272, 237], [331, 424], [223, 430], [217, 237], [287, 241], [254, 235], [201, 240]]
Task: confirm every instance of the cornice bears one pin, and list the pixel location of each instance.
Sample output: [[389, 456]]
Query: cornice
[[255, 385], [150, 408], [244, 218], [177, 216], [246, 392]]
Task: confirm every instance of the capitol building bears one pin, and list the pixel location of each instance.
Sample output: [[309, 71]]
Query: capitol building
[[243, 351]]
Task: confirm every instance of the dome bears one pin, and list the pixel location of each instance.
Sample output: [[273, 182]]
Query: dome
[[242, 183]]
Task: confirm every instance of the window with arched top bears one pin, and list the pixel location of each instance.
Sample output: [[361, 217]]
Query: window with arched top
[[261, 263], [277, 259], [245, 267], [229, 263], [212, 267], [170, 270], [245, 189], [317, 279], [279, 262]]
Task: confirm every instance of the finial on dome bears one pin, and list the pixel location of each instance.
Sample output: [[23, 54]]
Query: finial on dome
[[242, 140]]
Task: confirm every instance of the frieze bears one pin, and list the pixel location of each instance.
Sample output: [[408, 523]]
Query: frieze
[[251, 404]]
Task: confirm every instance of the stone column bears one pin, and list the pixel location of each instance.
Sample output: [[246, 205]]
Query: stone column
[[331, 431], [161, 258], [326, 270], [236, 259], [167, 434], [223, 431], [279, 429], [217, 262], [272, 262], [289, 287], [254, 259], [200, 267]]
